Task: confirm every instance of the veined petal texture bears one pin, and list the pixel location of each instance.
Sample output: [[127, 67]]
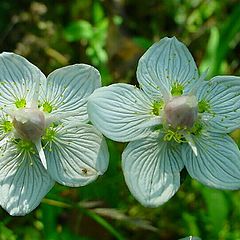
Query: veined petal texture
[[19, 79], [77, 155], [151, 169], [220, 98], [166, 64], [217, 163], [23, 181], [121, 112], [67, 89]]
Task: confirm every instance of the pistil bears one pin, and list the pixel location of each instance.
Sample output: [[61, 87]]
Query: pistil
[[29, 123], [181, 112]]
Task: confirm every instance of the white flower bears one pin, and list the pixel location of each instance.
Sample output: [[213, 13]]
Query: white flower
[[176, 119], [44, 134]]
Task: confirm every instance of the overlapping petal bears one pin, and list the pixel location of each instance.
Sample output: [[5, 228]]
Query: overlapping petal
[[122, 112], [67, 89], [78, 154], [151, 169], [19, 80], [23, 181], [222, 102], [165, 64], [217, 163]]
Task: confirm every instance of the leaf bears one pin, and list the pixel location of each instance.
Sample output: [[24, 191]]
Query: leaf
[[6, 233], [97, 12], [78, 30], [217, 209], [219, 42], [191, 223]]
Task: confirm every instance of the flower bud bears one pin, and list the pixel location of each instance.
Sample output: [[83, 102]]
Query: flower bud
[[181, 111], [29, 123]]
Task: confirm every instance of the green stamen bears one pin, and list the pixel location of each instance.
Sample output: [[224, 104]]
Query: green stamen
[[47, 107], [20, 103], [49, 135], [7, 126], [203, 106], [157, 107], [177, 89], [26, 146], [173, 135], [196, 129]]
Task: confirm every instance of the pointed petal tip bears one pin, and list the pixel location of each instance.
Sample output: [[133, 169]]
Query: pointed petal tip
[[41, 153], [195, 150], [191, 143]]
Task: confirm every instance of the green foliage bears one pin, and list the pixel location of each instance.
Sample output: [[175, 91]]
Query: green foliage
[[220, 41], [6, 233], [94, 34], [79, 30], [217, 210]]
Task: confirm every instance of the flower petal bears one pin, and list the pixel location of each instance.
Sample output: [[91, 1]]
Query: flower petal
[[151, 169], [220, 101], [217, 163], [164, 66], [67, 89], [23, 181], [77, 155], [18, 80], [121, 112], [41, 153]]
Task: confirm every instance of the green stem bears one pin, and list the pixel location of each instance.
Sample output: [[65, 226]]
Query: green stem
[[101, 221]]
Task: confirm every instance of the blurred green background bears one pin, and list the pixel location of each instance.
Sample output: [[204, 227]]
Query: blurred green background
[[112, 35]]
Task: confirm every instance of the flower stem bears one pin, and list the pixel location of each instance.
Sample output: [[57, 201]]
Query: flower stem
[[101, 221]]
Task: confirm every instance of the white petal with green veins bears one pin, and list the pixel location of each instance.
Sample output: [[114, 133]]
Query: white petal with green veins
[[18, 80], [122, 112], [220, 103], [67, 89], [151, 168], [217, 163], [167, 65], [23, 181], [77, 154]]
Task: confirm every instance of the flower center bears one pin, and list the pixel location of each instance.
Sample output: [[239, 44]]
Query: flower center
[[29, 123], [181, 111]]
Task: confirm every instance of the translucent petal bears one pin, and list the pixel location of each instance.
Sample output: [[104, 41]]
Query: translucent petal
[[166, 64], [151, 169], [122, 112], [222, 95], [41, 153], [77, 155], [217, 163], [191, 143], [67, 90], [19, 81], [23, 181]]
